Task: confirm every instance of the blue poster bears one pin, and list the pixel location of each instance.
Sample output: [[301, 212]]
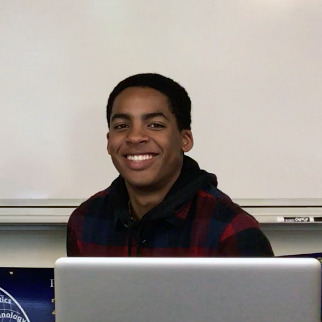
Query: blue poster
[[27, 295]]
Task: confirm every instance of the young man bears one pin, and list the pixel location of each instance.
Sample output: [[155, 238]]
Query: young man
[[162, 204]]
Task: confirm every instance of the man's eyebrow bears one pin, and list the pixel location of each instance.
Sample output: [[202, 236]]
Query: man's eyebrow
[[153, 115], [145, 117]]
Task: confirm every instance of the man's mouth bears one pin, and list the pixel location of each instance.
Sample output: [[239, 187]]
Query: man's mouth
[[139, 157]]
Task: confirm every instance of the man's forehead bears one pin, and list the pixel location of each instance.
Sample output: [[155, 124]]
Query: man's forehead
[[141, 99], [140, 91]]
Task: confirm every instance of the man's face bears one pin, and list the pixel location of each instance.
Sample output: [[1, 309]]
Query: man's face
[[144, 141]]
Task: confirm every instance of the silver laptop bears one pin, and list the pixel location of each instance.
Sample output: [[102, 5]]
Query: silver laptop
[[187, 289]]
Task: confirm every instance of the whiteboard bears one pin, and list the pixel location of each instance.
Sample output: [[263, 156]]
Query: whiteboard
[[253, 70]]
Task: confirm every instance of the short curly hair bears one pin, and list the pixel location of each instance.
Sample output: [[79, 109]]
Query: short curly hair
[[178, 97]]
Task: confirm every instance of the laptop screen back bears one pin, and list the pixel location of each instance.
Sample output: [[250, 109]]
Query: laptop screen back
[[187, 289]]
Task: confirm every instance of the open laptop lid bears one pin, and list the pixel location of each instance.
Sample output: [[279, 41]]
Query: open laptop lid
[[187, 289]]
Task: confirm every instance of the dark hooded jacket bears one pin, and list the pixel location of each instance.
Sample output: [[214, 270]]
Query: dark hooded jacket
[[195, 219]]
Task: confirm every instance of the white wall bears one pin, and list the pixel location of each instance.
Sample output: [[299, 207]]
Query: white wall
[[253, 70], [31, 247]]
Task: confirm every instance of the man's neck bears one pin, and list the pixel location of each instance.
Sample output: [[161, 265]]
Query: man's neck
[[143, 200], [139, 205]]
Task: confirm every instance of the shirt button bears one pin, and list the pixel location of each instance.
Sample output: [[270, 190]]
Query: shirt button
[[144, 242]]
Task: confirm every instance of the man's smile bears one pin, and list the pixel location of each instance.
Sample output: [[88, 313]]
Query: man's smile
[[139, 157], [140, 161]]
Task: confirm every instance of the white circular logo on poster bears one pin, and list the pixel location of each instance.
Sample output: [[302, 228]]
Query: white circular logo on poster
[[10, 309]]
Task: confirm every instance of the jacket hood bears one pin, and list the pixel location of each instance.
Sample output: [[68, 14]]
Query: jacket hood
[[189, 182]]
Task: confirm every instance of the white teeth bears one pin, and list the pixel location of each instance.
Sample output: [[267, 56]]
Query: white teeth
[[141, 157]]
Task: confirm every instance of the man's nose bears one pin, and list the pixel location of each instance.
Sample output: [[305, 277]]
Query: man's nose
[[136, 134]]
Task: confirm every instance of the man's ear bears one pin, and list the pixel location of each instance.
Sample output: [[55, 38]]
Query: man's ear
[[187, 140], [107, 145]]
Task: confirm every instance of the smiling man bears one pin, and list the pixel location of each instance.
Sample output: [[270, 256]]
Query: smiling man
[[146, 146], [161, 204]]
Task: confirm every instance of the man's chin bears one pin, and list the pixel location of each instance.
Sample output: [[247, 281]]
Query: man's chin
[[140, 184]]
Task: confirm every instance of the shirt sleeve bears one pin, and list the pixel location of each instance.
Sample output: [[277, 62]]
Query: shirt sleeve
[[71, 242], [75, 228], [246, 243]]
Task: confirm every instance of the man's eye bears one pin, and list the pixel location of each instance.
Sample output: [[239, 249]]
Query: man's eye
[[120, 126], [156, 126]]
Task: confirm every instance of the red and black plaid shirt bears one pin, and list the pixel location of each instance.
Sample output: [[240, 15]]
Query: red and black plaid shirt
[[195, 220]]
